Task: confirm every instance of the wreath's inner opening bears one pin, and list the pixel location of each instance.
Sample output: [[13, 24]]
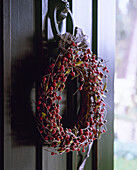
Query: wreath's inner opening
[[72, 105]]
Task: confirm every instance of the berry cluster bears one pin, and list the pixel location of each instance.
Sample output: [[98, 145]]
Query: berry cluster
[[92, 74]]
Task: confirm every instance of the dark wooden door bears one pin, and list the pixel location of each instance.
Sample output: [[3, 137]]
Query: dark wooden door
[[21, 63]]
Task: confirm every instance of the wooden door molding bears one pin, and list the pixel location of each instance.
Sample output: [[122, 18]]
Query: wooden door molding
[[1, 88], [106, 49], [21, 49]]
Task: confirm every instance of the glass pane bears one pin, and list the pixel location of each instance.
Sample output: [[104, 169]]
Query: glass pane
[[83, 17], [125, 123]]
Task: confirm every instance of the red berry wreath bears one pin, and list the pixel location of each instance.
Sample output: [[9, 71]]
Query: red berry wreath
[[76, 60]]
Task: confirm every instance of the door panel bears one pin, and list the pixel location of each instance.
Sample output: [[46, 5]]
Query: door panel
[[54, 162], [49, 162], [18, 33], [106, 50]]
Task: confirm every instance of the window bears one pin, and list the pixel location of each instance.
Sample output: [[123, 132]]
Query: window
[[125, 123]]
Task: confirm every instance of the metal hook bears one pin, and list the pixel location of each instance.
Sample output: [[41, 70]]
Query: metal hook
[[62, 8]]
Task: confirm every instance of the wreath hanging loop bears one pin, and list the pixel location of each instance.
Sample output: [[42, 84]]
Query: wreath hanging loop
[[57, 12], [74, 60]]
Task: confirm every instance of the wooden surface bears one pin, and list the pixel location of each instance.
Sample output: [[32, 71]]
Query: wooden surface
[[19, 65], [1, 87], [94, 150], [106, 50]]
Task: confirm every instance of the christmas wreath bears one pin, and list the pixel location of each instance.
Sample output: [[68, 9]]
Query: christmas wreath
[[74, 60]]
